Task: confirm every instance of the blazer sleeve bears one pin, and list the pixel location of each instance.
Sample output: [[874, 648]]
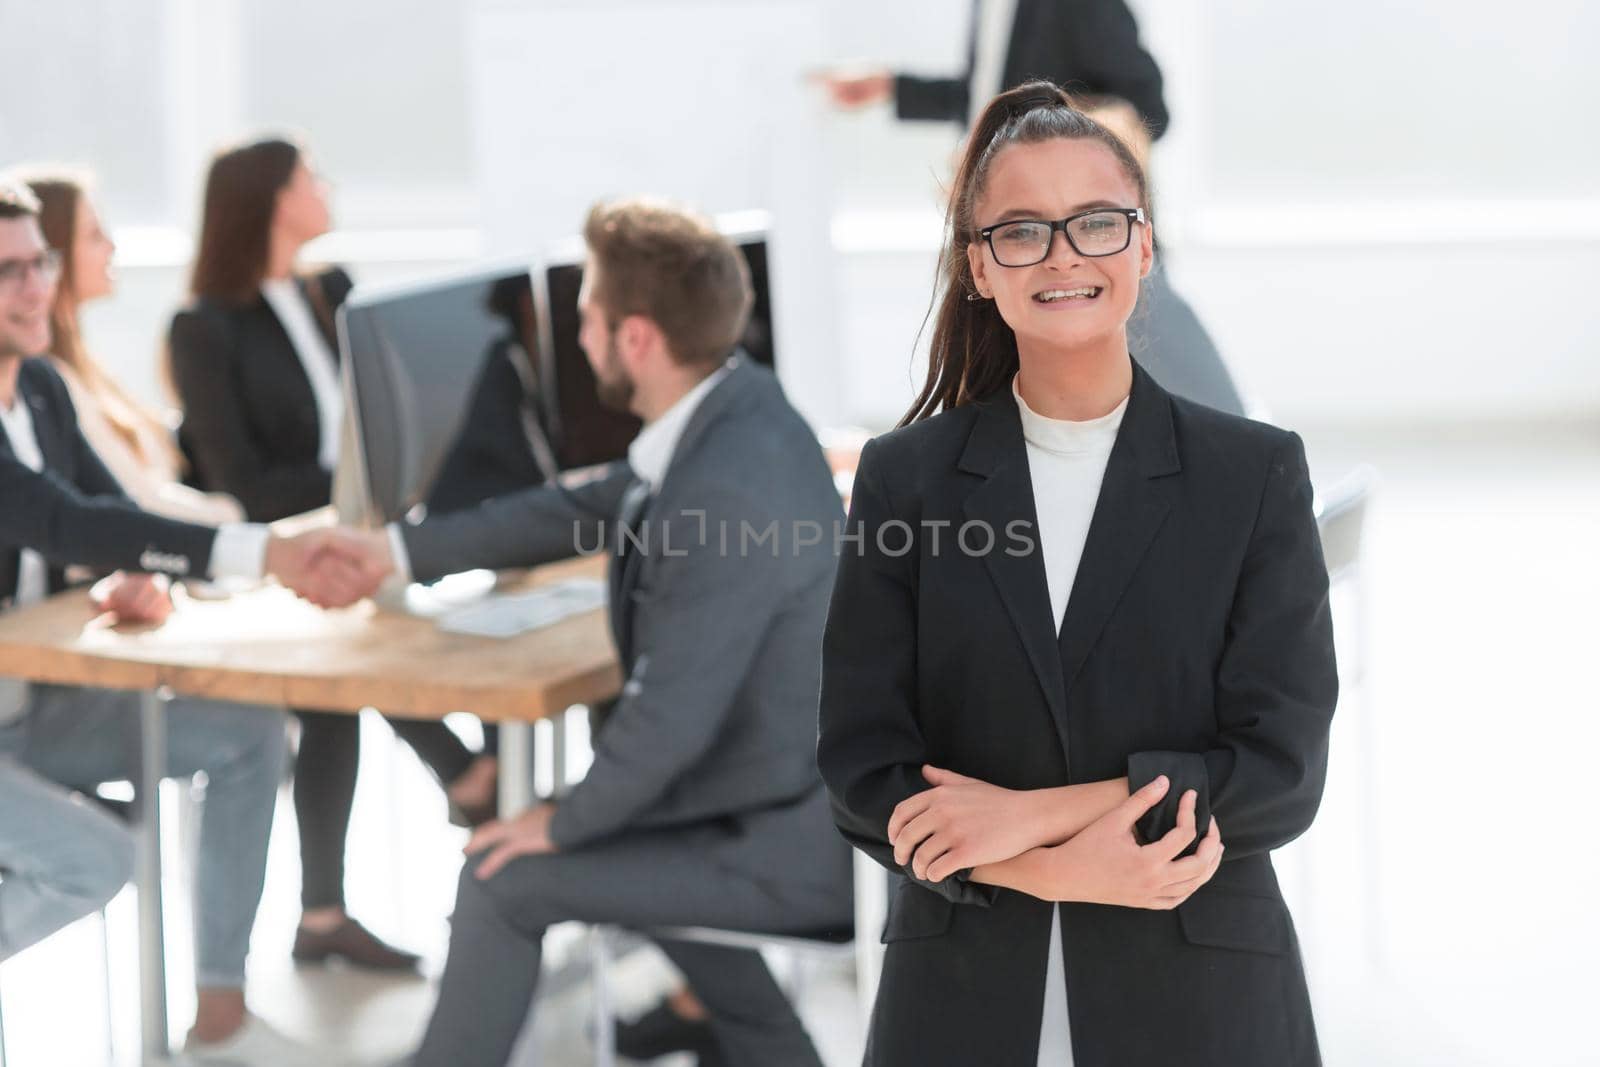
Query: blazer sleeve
[[1276, 686], [51, 516], [216, 426], [697, 632], [941, 99], [522, 529], [870, 749], [1106, 54]]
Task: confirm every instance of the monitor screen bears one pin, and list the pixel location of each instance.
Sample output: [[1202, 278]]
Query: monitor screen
[[445, 394], [582, 430]]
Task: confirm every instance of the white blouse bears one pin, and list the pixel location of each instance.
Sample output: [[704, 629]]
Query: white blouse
[[322, 369], [1066, 463]]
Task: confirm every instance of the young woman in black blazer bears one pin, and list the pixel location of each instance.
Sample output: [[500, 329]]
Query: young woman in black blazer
[[1057, 746], [254, 363]]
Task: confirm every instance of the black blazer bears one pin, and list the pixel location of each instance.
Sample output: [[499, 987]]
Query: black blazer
[[1087, 46], [74, 511], [249, 416], [1196, 643]]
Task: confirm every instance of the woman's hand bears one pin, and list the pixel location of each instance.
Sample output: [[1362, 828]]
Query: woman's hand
[[962, 822], [1105, 864], [133, 597]]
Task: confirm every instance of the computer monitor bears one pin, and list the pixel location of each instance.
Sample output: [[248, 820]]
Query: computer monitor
[[425, 364], [583, 431]]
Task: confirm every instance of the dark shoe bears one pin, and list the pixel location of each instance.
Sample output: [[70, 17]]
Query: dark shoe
[[353, 943], [661, 1031]]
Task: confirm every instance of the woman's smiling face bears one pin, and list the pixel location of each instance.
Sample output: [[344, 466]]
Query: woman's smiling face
[[1068, 300]]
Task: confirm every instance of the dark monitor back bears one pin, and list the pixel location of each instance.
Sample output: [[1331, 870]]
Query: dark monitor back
[[584, 431], [419, 361]]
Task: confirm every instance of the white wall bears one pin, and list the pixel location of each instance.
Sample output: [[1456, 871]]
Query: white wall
[[722, 119], [1382, 211], [1456, 131]]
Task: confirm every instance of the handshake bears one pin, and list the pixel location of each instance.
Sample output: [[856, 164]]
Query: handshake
[[333, 567]]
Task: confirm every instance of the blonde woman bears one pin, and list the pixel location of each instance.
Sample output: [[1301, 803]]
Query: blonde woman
[[133, 441]]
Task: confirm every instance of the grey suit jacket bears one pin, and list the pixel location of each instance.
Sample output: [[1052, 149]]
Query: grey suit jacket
[[718, 714]]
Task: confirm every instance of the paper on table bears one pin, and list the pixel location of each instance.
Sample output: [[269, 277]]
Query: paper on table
[[510, 614]]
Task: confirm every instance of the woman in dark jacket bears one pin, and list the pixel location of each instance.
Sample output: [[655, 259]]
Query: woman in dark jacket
[[255, 365], [1080, 650]]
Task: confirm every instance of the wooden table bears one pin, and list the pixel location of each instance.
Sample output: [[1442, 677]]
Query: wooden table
[[267, 647]]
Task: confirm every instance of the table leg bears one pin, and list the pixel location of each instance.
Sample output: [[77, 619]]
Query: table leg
[[605, 1025], [152, 943], [3, 1060], [517, 795], [516, 767], [558, 754]]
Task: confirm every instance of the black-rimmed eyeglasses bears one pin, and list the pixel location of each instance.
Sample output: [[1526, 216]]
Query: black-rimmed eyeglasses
[[1024, 242]]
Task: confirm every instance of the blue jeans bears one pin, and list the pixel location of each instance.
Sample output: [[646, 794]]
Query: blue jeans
[[73, 739], [60, 857]]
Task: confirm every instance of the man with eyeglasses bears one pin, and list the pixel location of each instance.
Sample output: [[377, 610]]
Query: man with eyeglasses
[[61, 858]]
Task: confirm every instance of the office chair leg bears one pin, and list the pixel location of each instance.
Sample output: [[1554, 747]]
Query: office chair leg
[[4, 1061], [605, 1028], [105, 973]]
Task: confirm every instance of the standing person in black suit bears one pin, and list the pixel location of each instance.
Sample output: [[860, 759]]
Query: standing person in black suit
[[1084, 642], [255, 365], [1092, 48]]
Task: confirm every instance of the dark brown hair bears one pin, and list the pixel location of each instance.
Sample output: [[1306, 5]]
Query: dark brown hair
[[972, 351], [672, 266], [241, 197]]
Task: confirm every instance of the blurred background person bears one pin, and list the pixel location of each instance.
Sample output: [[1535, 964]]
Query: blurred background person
[[254, 361], [504, 445], [1081, 45], [133, 440], [1092, 48]]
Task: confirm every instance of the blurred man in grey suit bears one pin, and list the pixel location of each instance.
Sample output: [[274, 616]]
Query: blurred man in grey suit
[[703, 805]]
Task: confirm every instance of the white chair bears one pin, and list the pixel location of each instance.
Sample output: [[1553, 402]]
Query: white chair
[[3, 1060], [188, 820], [1341, 516]]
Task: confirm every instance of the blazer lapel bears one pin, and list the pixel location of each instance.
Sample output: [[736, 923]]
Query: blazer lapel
[[995, 451], [726, 394], [1131, 508]]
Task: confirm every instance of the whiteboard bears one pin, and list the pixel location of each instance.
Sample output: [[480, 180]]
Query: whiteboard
[[578, 100]]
